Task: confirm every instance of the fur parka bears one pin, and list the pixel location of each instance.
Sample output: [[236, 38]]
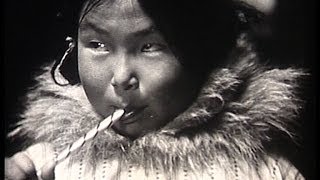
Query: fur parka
[[229, 132]]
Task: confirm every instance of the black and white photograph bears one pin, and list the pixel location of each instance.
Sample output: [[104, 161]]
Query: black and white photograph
[[160, 89]]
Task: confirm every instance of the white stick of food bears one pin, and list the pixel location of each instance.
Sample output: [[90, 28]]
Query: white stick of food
[[106, 123]]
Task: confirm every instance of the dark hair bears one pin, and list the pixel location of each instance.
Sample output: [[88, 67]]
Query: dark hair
[[199, 34]]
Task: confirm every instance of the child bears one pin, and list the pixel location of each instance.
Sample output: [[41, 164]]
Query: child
[[197, 103]]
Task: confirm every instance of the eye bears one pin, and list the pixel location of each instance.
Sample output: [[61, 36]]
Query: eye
[[152, 47], [98, 46]]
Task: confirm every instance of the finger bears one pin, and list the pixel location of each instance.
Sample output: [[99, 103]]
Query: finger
[[47, 171], [42, 154], [21, 166], [12, 171]]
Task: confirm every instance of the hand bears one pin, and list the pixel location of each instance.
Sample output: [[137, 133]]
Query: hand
[[26, 164]]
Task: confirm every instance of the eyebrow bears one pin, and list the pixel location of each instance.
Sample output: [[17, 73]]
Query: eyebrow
[[148, 30], [85, 26]]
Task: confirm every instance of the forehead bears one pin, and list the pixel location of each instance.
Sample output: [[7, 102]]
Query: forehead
[[112, 12]]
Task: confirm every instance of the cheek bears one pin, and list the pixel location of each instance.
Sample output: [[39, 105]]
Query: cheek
[[157, 77], [94, 77], [93, 70], [163, 84]]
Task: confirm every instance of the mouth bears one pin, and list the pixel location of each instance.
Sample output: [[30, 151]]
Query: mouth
[[131, 114]]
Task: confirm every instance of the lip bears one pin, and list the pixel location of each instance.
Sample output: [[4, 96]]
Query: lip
[[131, 114]]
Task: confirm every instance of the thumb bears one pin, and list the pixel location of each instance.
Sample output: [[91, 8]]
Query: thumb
[[47, 171], [42, 156]]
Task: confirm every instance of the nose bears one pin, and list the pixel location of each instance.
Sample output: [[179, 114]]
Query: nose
[[124, 77], [130, 83]]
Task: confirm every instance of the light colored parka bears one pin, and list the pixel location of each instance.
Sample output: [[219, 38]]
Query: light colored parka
[[229, 132]]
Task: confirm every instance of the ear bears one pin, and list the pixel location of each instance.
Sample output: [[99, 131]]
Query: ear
[[65, 70], [252, 12], [264, 6]]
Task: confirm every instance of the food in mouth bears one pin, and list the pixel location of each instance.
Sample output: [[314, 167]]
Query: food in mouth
[[131, 114]]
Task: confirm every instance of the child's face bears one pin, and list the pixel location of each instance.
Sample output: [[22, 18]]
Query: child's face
[[125, 63]]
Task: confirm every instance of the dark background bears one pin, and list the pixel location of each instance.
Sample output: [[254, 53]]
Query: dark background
[[34, 33]]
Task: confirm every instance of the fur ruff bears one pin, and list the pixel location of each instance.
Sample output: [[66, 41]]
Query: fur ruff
[[241, 109]]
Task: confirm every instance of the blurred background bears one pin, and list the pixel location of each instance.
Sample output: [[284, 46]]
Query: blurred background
[[35, 30]]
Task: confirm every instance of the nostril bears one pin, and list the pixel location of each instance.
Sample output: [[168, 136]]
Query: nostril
[[114, 85], [128, 87], [131, 84], [113, 82]]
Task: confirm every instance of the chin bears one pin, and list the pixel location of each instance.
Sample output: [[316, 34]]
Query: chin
[[127, 130]]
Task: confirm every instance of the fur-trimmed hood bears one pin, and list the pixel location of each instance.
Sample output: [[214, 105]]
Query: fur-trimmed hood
[[241, 109]]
